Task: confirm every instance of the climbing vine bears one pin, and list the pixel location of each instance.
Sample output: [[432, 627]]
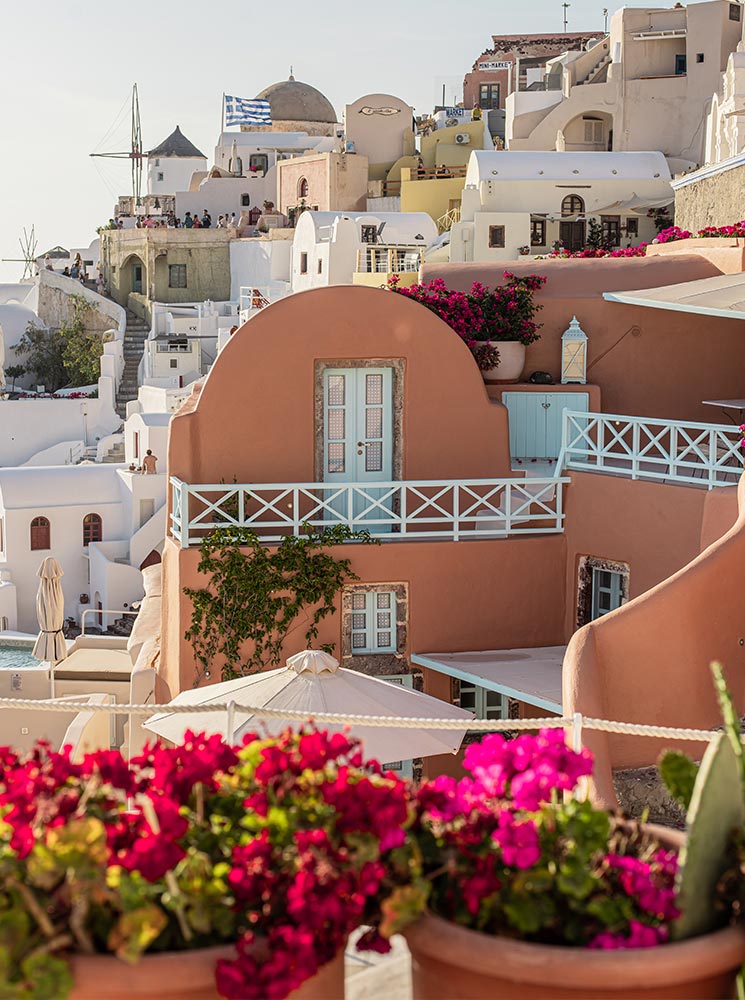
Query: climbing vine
[[260, 595]]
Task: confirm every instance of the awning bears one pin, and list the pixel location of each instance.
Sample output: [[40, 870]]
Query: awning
[[634, 204], [722, 295], [530, 675]]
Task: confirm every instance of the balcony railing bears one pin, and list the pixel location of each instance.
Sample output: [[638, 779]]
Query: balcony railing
[[253, 299], [388, 260], [391, 511], [644, 448]]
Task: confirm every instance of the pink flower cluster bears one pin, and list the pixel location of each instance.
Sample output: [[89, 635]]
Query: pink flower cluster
[[673, 233], [481, 836], [291, 833], [484, 314], [735, 230]]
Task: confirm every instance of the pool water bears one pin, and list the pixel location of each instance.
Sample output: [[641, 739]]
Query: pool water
[[15, 656]]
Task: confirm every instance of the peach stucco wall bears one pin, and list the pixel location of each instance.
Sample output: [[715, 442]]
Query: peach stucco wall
[[647, 362], [462, 595], [648, 661], [727, 255], [253, 420]]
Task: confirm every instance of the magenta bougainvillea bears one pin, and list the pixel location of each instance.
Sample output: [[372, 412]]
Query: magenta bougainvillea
[[501, 851], [483, 315], [275, 846]]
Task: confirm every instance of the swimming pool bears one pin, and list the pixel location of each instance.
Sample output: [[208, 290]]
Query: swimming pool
[[16, 654]]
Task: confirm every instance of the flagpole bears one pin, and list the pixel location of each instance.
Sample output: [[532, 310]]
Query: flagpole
[[222, 116]]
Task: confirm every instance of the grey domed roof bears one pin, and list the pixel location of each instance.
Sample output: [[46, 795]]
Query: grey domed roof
[[291, 100], [176, 145]]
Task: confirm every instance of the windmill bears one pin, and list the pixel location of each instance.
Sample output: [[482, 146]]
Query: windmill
[[134, 153], [28, 244]]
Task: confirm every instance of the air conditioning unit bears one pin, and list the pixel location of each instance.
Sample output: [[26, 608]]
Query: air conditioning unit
[[462, 138]]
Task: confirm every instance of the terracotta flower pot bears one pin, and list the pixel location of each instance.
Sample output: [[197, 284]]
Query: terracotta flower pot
[[450, 962], [511, 362], [184, 975]]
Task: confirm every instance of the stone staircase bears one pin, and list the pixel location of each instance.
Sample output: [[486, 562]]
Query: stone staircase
[[135, 336], [115, 454], [595, 70]]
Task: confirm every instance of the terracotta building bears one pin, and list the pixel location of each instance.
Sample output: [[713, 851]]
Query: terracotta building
[[510, 60], [489, 560]]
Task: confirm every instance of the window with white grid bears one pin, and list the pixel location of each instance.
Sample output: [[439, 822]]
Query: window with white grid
[[373, 622]]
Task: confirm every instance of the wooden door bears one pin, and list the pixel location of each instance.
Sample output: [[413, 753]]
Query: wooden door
[[572, 235]]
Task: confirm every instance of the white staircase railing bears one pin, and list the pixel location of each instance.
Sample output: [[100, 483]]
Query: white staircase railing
[[646, 448], [391, 511]]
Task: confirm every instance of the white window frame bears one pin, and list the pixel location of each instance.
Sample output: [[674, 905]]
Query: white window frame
[[371, 630], [615, 592], [594, 130], [403, 768], [482, 709]]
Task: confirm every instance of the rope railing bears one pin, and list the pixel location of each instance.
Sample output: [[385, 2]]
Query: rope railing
[[577, 722]]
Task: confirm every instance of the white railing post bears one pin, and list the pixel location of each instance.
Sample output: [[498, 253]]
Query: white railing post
[[241, 507], [185, 516], [712, 458], [456, 512], [508, 507], [403, 507], [577, 732], [559, 500], [635, 450], [296, 511]]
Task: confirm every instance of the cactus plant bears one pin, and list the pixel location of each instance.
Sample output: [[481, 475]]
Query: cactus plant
[[717, 808]]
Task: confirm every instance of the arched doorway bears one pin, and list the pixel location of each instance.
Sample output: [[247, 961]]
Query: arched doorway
[[151, 559], [132, 278], [572, 231], [592, 131]]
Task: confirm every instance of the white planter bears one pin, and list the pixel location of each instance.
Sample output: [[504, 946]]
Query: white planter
[[511, 362]]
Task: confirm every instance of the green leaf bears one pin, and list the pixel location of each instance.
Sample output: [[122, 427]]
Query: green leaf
[[402, 907], [135, 931], [730, 717], [679, 775], [49, 977], [530, 912]]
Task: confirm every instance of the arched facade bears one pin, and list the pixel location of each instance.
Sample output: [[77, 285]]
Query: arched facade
[[132, 278], [590, 131]]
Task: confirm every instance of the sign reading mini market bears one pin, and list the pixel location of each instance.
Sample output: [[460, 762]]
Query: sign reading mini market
[[495, 65]]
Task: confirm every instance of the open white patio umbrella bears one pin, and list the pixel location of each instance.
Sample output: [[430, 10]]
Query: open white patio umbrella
[[50, 610], [313, 682]]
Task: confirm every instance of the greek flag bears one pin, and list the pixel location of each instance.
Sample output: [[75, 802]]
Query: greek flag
[[245, 111]]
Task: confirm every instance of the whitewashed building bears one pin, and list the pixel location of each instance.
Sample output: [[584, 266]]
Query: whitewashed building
[[528, 201], [330, 247]]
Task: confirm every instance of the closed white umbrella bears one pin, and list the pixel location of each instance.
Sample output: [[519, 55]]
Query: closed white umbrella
[[50, 610], [313, 682]]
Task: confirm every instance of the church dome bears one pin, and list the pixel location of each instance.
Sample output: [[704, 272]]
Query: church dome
[[293, 101]]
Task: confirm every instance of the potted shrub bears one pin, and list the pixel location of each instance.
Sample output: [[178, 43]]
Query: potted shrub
[[497, 324], [509, 889], [508, 321], [195, 872]]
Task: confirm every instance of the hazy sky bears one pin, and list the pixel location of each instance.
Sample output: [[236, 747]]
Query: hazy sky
[[67, 69]]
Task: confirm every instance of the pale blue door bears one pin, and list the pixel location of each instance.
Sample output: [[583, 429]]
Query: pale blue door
[[358, 441], [536, 420]]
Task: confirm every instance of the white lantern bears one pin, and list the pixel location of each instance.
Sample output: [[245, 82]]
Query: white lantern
[[574, 354]]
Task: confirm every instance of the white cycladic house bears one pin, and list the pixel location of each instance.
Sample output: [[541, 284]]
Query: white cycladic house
[[68, 512], [182, 343], [328, 246], [530, 200], [645, 85], [244, 174], [171, 164], [102, 522]]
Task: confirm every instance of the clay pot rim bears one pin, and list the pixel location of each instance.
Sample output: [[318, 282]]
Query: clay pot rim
[[183, 967], [583, 968]]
